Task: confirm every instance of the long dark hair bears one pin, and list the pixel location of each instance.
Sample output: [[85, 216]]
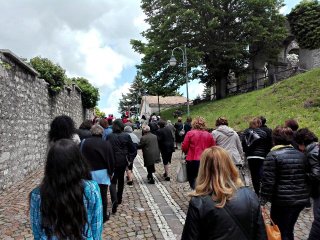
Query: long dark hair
[[61, 127], [62, 209]]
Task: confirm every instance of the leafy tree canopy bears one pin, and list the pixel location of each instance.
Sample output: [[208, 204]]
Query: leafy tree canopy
[[99, 113], [216, 33], [89, 95], [52, 73], [304, 21]]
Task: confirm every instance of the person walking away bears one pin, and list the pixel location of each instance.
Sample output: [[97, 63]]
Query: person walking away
[[84, 130], [179, 135], [268, 131], [255, 146], [228, 139], [67, 203], [62, 127], [135, 140], [100, 157], [187, 125], [107, 130], [124, 152], [284, 182], [153, 125], [172, 129], [150, 150], [293, 124], [166, 146], [308, 143], [195, 142], [220, 207]]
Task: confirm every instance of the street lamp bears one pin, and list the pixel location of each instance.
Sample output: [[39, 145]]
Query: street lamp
[[173, 62]]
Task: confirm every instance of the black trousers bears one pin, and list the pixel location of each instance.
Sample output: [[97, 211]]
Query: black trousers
[[192, 172], [285, 217], [104, 197], [117, 184], [150, 169], [255, 166]]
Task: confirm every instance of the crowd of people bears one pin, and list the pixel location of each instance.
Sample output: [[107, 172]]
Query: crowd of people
[[84, 164]]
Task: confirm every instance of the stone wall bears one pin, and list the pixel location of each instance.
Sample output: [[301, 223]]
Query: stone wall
[[309, 59], [26, 110]]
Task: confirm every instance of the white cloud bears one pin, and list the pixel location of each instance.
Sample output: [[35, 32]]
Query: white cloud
[[88, 38], [113, 100]]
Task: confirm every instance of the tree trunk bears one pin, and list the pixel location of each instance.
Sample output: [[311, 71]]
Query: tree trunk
[[221, 88]]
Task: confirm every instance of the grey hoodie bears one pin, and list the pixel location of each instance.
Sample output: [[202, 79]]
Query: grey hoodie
[[228, 139]]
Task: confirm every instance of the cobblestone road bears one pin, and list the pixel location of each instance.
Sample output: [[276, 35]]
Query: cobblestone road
[[148, 211]]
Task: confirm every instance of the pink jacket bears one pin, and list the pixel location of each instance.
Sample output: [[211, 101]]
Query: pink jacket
[[195, 142]]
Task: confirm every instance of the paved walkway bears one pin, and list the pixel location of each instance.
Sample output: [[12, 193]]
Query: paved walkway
[[148, 211]]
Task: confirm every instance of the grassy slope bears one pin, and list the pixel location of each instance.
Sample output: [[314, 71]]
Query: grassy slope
[[277, 103]]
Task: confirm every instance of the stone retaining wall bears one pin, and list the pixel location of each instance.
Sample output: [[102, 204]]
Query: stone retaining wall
[[26, 111]]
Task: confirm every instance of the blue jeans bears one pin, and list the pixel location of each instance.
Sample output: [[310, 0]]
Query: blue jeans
[[285, 217]]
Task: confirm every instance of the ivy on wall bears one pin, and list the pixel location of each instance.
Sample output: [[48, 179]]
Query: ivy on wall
[[304, 21]]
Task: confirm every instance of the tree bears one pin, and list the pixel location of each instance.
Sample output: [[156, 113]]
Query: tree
[[89, 95], [217, 34], [52, 73], [304, 23], [99, 113]]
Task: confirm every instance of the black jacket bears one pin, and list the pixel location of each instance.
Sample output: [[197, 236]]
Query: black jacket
[[205, 221], [315, 229], [83, 133], [123, 148], [284, 181], [313, 168], [165, 140], [269, 136], [255, 142], [98, 153]]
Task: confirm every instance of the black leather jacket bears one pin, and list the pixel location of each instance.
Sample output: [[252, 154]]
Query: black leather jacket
[[123, 148], [284, 181], [313, 168], [205, 221], [315, 229], [258, 147]]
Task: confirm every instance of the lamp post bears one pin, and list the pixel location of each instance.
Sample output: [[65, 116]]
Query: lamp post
[[173, 62]]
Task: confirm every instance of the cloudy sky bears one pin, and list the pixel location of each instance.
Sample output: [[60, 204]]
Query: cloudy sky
[[88, 38]]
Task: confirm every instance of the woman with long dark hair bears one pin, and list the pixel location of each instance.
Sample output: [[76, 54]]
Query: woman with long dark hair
[[220, 207], [67, 204], [63, 127]]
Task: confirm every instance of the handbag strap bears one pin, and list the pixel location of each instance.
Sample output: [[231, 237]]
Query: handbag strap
[[236, 221]]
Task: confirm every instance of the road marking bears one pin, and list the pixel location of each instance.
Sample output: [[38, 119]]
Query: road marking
[[166, 195], [160, 220]]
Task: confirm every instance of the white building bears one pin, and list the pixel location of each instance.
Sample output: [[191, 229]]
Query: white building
[[149, 104]]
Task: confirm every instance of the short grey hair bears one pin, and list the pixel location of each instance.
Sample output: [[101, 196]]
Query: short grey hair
[[96, 130], [128, 129]]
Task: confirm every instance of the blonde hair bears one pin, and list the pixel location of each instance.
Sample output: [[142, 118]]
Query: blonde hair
[[199, 123], [217, 175]]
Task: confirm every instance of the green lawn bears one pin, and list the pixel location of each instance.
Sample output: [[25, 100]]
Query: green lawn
[[281, 101]]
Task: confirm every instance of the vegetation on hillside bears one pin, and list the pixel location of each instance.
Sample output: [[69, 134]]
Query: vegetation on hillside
[[304, 22], [297, 97]]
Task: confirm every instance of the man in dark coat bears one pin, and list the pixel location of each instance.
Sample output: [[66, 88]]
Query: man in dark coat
[[150, 149], [166, 145]]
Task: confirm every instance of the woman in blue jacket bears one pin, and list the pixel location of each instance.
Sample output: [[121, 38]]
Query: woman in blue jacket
[[66, 204]]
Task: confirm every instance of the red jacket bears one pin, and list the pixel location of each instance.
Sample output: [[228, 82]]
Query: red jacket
[[195, 142]]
